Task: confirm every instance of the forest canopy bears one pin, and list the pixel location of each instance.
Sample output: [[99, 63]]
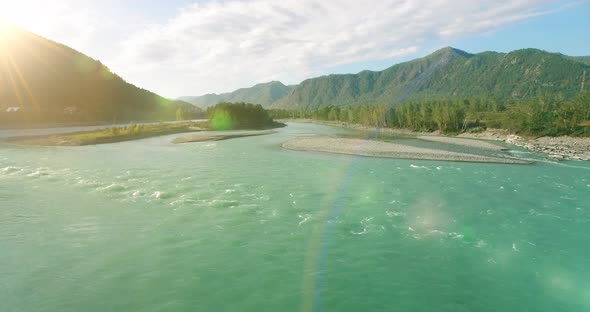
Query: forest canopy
[[233, 116], [542, 116]]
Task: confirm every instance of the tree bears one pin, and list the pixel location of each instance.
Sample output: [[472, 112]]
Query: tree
[[226, 116], [180, 114], [569, 116], [333, 113], [538, 116]]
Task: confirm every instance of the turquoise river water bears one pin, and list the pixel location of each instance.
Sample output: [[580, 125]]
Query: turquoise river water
[[244, 225]]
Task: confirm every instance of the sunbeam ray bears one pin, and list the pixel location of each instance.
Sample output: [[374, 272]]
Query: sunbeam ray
[[24, 83], [13, 84]]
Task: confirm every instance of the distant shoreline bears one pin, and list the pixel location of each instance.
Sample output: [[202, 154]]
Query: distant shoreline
[[137, 132], [205, 136], [93, 124], [101, 136], [372, 148], [554, 148]]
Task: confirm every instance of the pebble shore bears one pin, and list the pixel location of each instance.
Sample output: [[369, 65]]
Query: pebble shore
[[372, 148]]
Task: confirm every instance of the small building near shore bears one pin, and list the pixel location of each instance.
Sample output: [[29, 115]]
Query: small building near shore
[[12, 109]]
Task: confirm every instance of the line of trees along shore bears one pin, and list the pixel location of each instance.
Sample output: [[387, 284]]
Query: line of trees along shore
[[233, 116], [534, 117]]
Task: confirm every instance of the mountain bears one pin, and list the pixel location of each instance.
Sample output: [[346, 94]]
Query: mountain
[[448, 72], [42, 81], [263, 93], [581, 59]]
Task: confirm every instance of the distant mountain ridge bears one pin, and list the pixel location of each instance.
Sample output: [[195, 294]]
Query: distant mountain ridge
[[263, 93], [42, 81], [581, 59], [448, 72]]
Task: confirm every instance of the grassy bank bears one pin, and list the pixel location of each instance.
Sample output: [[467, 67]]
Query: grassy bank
[[136, 132], [111, 135]]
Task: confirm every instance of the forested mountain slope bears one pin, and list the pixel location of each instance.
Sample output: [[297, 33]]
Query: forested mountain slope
[[42, 81], [447, 73], [263, 93]]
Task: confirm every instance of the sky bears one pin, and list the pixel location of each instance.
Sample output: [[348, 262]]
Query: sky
[[182, 47]]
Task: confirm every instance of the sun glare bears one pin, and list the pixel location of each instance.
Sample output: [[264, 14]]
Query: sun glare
[[7, 30], [4, 33], [18, 15]]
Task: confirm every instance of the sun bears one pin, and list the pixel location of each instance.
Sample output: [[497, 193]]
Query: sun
[[7, 32], [14, 12], [20, 14]]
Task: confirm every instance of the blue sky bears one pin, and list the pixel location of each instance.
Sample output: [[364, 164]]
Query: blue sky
[[565, 31], [184, 47]]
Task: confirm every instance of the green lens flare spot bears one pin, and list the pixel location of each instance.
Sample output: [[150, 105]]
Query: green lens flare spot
[[221, 120]]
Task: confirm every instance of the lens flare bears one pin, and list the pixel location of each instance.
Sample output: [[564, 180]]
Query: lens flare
[[221, 121], [7, 33]]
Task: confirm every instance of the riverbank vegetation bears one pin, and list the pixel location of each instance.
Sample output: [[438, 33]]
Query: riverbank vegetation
[[534, 117], [22, 118], [234, 116], [224, 116], [112, 135]]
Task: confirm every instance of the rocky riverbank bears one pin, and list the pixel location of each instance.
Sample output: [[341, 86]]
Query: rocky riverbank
[[554, 148], [371, 148], [558, 148]]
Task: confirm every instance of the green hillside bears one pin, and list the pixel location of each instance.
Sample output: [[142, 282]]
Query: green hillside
[[581, 59], [447, 73], [264, 94], [42, 81]]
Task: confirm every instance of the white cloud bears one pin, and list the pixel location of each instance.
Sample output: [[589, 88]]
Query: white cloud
[[220, 46]]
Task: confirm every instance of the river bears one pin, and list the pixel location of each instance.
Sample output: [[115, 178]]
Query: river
[[244, 225]]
